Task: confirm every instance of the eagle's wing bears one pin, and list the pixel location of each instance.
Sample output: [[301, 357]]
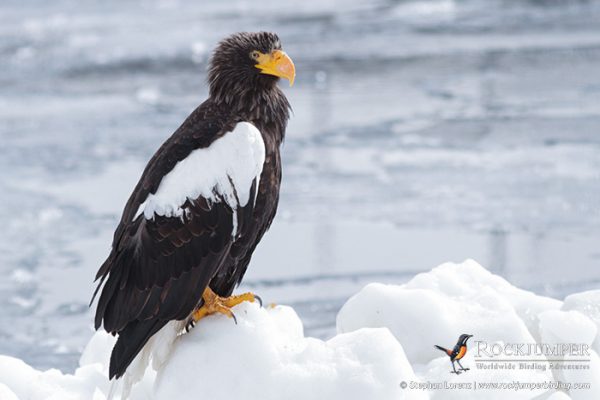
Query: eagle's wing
[[186, 211]]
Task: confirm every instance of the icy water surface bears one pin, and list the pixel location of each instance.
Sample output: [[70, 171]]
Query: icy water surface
[[423, 131]]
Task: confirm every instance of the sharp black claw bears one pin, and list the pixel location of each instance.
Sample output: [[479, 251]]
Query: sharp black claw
[[234, 318], [259, 300], [189, 326]]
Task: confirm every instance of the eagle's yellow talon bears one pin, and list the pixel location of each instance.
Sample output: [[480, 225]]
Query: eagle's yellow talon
[[213, 303], [240, 298]]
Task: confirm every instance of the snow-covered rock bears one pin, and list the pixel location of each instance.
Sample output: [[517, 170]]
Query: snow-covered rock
[[383, 349]]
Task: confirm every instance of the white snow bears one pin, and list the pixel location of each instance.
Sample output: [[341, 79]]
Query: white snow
[[573, 327], [436, 307], [227, 168], [385, 339], [567, 327], [589, 304], [267, 357]]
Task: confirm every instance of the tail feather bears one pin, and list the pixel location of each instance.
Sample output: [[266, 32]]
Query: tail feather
[[441, 348], [130, 342], [112, 390]]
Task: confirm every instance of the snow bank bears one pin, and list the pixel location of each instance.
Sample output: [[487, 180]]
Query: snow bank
[[587, 303], [18, 380], [436, 307], [265, 355], [452, 299], [573, 327], [383, 349]]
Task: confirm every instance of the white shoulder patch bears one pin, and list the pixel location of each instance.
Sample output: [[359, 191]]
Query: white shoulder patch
[[227, 167]]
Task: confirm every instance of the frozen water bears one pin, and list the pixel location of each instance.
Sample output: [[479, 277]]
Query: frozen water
[[423, 131]]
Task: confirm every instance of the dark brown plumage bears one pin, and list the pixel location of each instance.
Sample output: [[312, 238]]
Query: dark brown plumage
[[158, 268]]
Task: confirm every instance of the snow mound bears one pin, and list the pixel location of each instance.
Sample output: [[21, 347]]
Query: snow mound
[[20, 381], [264, 355], [587, 303], [267, 355], [438, 306], [573, 327], [384, 348], [452, 299]]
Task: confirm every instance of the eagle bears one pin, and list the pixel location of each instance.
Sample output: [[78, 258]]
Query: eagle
[[202, 204]]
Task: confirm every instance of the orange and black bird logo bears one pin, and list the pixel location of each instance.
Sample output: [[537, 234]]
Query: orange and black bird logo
[[457, 353]]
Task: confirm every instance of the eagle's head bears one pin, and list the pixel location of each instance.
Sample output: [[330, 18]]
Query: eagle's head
[[248, 62]]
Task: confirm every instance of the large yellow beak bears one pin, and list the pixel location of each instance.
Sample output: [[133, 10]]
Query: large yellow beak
[[278, 64]]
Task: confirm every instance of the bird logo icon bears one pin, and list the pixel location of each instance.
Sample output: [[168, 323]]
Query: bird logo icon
[[457, 353]]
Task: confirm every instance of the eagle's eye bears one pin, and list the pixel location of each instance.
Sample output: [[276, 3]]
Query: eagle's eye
[[254, 55]]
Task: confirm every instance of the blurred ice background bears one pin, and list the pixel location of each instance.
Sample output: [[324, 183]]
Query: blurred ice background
[[423, 131]]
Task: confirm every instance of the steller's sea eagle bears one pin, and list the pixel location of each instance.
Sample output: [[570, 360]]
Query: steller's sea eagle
[[203, 203]]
